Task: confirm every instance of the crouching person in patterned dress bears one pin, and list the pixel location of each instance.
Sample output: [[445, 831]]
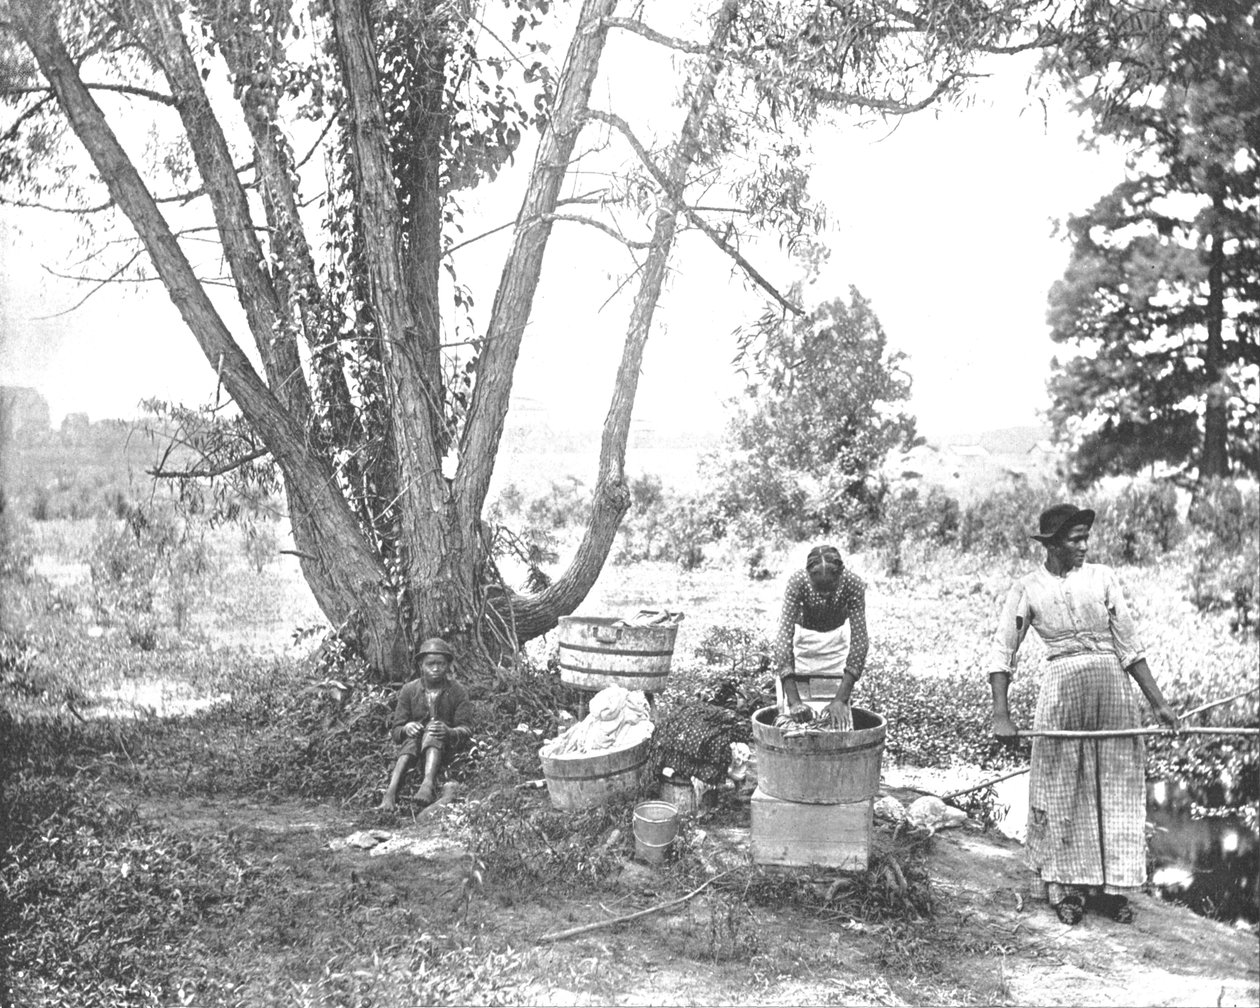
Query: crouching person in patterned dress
[[433, 718], [1086, 841]]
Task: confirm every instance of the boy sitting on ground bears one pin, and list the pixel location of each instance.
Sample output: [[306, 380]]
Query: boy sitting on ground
[[432, 719]]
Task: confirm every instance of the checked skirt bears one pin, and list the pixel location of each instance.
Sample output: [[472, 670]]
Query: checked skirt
[[1087, 797]]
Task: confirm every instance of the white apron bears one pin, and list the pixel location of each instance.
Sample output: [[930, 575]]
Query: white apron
[[820, 655]]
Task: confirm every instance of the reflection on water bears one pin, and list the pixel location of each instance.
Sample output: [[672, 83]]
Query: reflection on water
[[1210, 865]]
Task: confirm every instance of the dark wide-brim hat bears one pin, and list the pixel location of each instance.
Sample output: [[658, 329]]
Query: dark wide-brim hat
[[1060, 517], [435, 645]]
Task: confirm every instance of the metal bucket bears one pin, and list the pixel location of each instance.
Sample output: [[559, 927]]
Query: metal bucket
[[825, 768], [655, 827], [597, 652]]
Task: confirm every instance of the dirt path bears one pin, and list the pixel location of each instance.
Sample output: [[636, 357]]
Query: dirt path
[[987, 944]]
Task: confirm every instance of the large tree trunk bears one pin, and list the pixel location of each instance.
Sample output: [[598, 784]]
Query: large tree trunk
[[337, 562], [1215, 463], [538, 614]]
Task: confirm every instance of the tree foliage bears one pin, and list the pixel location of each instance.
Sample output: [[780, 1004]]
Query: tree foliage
[[822, 409], [319, 149], [1161, 298]]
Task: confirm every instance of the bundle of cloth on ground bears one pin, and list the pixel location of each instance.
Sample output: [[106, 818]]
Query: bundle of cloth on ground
[[696, 739], [617, 719]]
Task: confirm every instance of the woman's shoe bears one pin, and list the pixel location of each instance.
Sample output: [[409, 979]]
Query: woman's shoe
[[1118, 908], [1070, 909]]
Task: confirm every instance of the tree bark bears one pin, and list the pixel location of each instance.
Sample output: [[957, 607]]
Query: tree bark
[[1215, 464], [436, 560]]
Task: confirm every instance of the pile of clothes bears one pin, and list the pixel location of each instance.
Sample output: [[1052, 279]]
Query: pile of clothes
[[617, 719], [824, 722], [696, 740]]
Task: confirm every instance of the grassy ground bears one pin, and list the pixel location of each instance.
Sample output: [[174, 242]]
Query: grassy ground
[[167, 816]]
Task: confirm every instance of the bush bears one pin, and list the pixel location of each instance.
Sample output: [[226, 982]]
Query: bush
[[1226, 515], [1001, 522], [1224, 543], [565, 505], [662, 526], [1137, 525], [259, 543], [907, 514], [151, 555]]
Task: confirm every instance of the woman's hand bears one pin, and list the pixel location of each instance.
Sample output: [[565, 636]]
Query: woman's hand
[[1168, 716], [801, 713], [840, 713], [1004, 729]]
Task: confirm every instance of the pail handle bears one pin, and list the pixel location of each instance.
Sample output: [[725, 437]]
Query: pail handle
[[607, 634]]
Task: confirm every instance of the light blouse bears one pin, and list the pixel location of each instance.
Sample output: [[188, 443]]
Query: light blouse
[[1081, 612]]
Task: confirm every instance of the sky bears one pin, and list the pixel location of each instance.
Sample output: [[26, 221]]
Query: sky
[[943, 220]]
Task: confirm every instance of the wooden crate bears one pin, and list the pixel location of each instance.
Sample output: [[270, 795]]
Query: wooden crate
[[802, 835]]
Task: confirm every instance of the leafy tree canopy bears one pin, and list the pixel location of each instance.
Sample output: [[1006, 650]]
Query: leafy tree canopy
[[1161, 298], [823, 407]]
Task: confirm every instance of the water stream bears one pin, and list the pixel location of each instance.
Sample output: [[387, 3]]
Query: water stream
[[1210, 865]]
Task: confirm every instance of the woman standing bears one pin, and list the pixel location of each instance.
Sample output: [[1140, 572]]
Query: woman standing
[[1087, 797], [820, 646]]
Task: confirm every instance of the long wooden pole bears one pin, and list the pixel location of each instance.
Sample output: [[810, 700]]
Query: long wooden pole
[[1219, 703], [1131, 732], [1118, 734]]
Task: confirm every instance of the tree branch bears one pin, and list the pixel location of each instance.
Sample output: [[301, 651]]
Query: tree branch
[[127, 89], [675, 198], [183, 197], [591, 222], [539, 613], [210, 471], [639, 28], [522, 269], [888, 105]]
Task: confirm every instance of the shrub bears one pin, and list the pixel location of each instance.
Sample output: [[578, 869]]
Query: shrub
[[151, 555], [565, 505], [1137, 525], [16, 557], [1001, 522], [259, 543], [1224, 550], [661, 526], [1226, 515], [907, 514]]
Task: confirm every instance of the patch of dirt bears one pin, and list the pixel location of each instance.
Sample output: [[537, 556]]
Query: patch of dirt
[[988, 943]]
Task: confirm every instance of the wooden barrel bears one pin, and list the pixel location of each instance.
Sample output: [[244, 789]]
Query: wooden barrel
[[823, 768], [601, 651], [591, 779]]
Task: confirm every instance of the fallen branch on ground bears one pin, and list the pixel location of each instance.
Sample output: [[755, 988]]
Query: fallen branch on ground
[[571, 932]]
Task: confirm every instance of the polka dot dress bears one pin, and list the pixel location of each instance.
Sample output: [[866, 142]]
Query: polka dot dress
[[805, 606], [695, 740]]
